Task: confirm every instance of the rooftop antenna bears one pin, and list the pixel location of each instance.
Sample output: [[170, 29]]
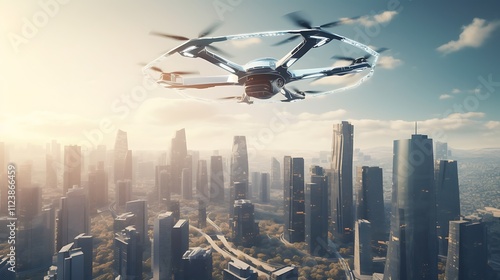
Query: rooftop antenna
[[416, 128]]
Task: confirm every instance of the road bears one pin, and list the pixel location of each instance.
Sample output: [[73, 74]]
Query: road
[[224, 253], [348, 272]]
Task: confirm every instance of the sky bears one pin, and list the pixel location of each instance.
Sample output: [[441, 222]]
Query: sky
[[70, 70]]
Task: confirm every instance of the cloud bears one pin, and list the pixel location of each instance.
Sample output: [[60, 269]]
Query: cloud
[[455, 91], [473, 35], [492, 125], [382, 18], [388, 62], [445, 96], [246, 43]]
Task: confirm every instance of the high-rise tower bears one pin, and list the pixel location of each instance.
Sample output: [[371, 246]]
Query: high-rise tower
[[216, 180], [294, 199], [72, 167], [341, 182], [370, 199], [177, 159], [412, 251], [239, 167], [447, 200], [120, 154]]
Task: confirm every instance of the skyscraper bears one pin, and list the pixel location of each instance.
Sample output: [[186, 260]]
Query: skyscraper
[[70, 263], [73, 218], [50, 172], [202, 213], [123, 192], [245, 229], [467, 251], [412, 251], [140, 209], [264, 190], [128, 254], [447, 200], [72, 167], [254, 186], [197, 264], [239, 167], [124, 220], [202, 181], [294, 230], [187, 178], [85, 243], [276, 178], [316, 213], [177, 159], [216, 180], [128, 173], [341, 182], [164, 184], [362, 248], [98, 188], [370, 199], [180, 244], [441, 150], [162, 246], [120, 154]]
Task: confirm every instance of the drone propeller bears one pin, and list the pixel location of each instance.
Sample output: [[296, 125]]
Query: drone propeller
[[207, 31], [339, 57], [302, 92], [158, 69], [298, 18], [293, 38]]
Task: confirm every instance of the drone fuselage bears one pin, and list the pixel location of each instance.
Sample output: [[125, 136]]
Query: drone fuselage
[[262, 80]]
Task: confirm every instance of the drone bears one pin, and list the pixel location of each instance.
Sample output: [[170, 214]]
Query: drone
[[262, 78]]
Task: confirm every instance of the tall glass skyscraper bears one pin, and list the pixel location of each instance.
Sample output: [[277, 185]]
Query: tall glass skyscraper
[[178, 158], [341, 201], [412, 252], [216, 179], [162, 246], [294, 230], [316, 213], [72, 167], [447, 200], [239, 168], [370, 199], [120, 153]]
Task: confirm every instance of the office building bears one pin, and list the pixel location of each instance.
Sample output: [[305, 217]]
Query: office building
[[276, 179], [175, 208], [72, 167], [164, 184], [50, 172], [412, 251], [254, 186], [140, 209], [341, 200], [294, 197], [467, 251], [202, 213], [216, 180], [264, 188], [29, 202], [128, 254], [239, 168], [162, 246], [362, 248], [238, 270], [197, 264], [74, 216], [7, 272], [447, 200], [187, 178], [180, 244], [370, 200], [128, 173], [202, 181], [124, 220], [98, 188], [74, 260], [123, 192], [120, 154], [178, 155], [316, 214], [441, 151], [244, 227]]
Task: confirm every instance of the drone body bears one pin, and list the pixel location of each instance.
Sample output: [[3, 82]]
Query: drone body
[[261, 78]]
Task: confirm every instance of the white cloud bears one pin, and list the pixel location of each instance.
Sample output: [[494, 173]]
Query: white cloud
[[246, 43], [445, 96], [456, 90], [473, 35], [388, 62], [492, 124], [382, 18]]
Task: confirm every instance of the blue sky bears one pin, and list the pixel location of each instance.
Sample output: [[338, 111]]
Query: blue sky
[[70, 71]]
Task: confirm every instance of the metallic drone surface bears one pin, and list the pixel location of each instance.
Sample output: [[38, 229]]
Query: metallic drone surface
[[262, 78]]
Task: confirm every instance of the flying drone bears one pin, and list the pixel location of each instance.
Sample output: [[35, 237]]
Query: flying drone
[[262, 78]]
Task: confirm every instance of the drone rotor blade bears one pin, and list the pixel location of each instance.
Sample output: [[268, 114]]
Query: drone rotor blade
[[298, 19], [287, 40], [230, 97], [224, 53], [313, 91], [170, 36], [379, 50], [157, 69], [209, 30], [338, 22], [339, 57]]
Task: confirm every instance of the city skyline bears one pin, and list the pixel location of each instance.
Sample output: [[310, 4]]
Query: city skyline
[[447, 74]]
